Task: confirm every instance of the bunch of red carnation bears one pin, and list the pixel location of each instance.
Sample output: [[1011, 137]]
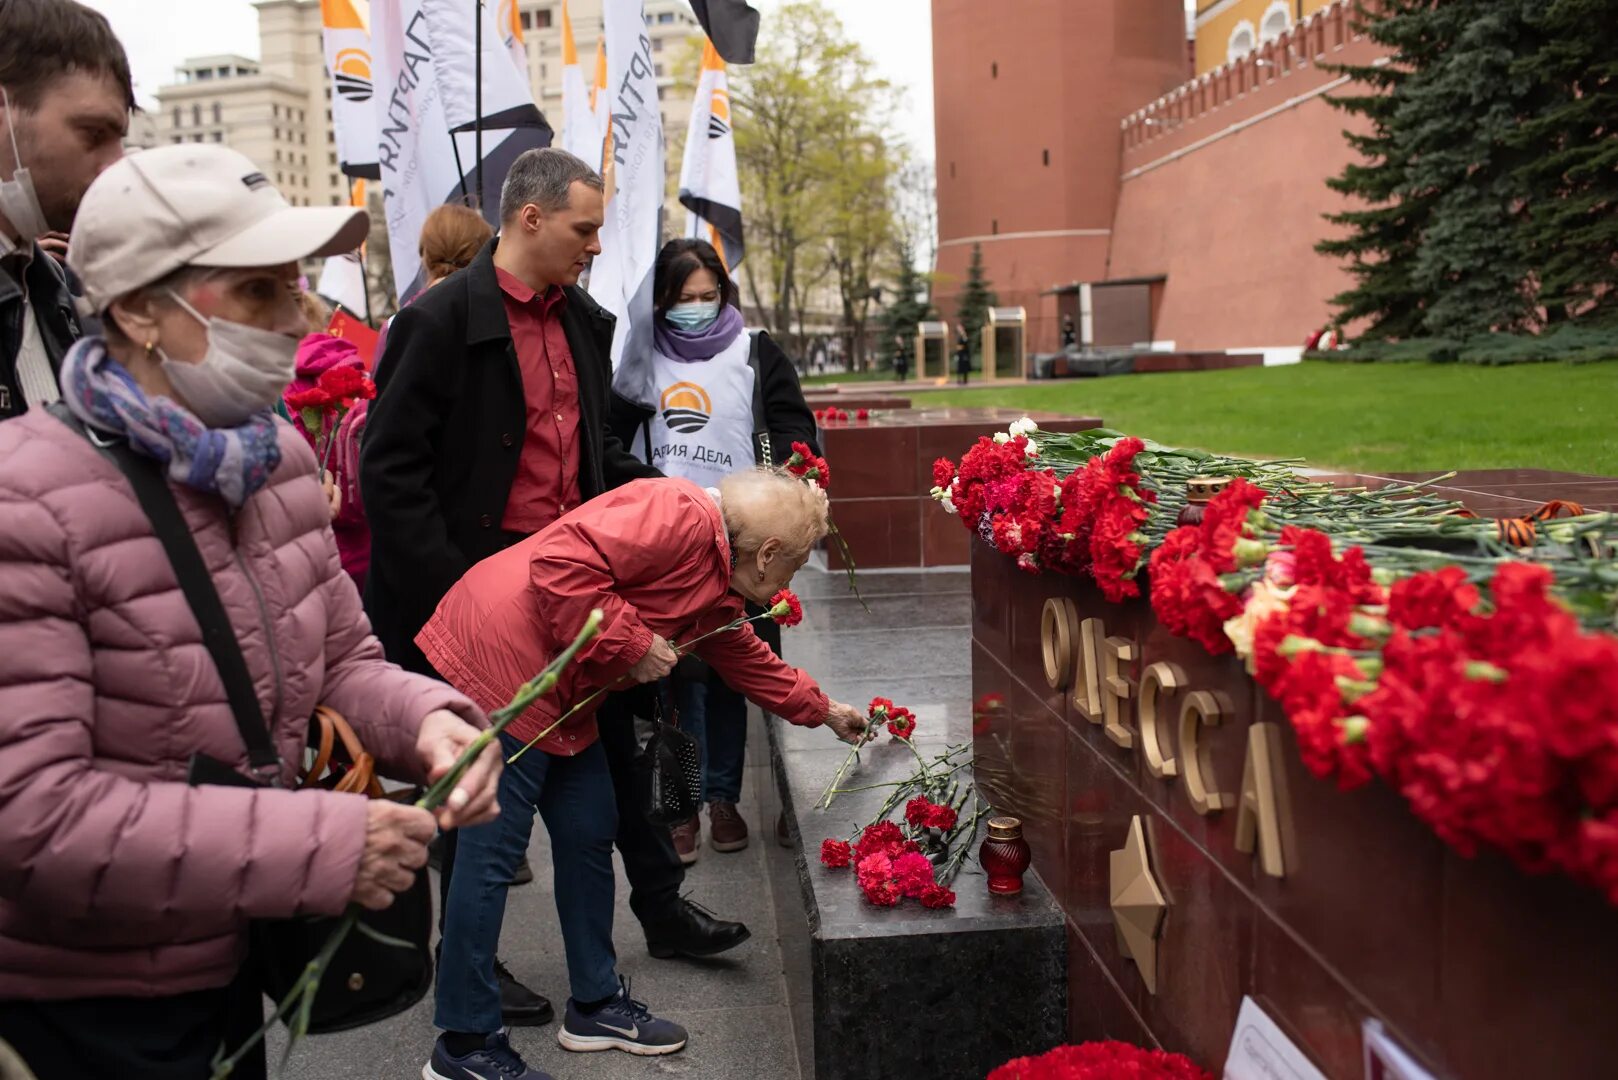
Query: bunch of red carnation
[[900, 721], [831, 412], [321, 407], [1187, 594], [888, 867], [1101, 1061], [1089, 522], [1497, 719], [805, 464]]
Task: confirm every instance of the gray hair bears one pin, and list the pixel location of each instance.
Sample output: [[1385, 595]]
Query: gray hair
[[544, 177]]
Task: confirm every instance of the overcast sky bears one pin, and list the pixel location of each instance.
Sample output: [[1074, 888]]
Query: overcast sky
[[897, 34]]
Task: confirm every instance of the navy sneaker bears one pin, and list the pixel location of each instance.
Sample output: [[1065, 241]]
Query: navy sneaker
[[621, 1024], [496, 1061]]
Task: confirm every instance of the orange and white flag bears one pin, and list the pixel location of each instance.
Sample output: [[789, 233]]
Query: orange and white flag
[[346, 36], [709, 186], [581, 129]]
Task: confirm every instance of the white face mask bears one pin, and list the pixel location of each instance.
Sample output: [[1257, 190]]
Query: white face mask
[[18, 200], [243, 372]]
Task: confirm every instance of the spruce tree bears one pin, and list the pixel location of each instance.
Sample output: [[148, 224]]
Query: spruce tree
[[911, 304], [972, 307], [1454, 123], [1570, 159], [1384, 225]]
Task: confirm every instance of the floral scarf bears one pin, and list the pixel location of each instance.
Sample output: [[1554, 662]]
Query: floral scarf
[[232, 463]]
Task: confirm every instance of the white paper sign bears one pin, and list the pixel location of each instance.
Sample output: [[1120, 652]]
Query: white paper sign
[[1386, 1059], [1259, 1050]]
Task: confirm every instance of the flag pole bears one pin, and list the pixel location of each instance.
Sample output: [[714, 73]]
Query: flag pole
[[365, 272], [477, 104]]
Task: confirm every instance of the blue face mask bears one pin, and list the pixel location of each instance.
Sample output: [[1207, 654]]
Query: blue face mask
[[693, 318]]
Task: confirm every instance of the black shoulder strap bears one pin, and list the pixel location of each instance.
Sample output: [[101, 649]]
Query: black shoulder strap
[[168, 524], [761, 428]]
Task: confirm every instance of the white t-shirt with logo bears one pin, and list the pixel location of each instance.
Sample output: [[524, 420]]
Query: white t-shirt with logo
[[702, 421]]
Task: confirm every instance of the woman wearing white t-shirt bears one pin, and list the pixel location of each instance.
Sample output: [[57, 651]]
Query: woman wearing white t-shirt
[[715, 399]]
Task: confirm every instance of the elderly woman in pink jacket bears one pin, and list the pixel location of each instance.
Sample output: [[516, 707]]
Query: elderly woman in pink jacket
[[125, 891]]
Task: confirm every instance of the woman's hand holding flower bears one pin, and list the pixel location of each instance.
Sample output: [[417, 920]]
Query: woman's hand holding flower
[[846, 721], [440, 741], [658, 662]]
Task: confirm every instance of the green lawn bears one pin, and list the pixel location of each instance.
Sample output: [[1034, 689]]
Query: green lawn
[[1358, 416]]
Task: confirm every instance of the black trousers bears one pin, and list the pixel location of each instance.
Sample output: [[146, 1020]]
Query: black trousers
[[650, 862], [164, 1038]]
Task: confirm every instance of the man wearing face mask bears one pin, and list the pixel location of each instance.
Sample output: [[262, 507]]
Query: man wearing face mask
[[65, 97]]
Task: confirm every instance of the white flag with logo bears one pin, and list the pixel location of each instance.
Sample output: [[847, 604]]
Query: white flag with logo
[[342, 277], [415, 149], [510, 22], [581, 130], [508, 101], [709, 187], [621, 280], [346, 36]]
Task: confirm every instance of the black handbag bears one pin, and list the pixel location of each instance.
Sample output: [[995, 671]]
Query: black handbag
[[367, 979], [668, 769]]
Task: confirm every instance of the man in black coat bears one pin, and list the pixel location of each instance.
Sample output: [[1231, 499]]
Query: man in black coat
[[469, 382]]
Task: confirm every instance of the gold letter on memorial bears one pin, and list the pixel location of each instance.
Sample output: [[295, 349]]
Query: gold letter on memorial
[[1058, 628], [1119, 688], [1202, 707], [1258, 820], [1162, 679], [1087, 677]]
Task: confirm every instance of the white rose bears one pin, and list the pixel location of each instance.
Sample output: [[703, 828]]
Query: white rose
[[1263, 600]]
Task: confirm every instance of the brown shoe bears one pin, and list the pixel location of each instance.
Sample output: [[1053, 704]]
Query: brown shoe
[[687, 838], [726, 829]]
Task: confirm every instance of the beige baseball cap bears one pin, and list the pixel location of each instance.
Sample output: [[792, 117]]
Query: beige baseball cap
[[194, 204]]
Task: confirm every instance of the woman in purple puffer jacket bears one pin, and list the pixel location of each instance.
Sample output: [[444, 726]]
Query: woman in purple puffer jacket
[[125, 892]]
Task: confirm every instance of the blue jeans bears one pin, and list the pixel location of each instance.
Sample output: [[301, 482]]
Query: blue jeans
[[575, 797], [716, 716]]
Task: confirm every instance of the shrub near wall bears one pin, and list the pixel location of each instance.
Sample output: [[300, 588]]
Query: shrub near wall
[[1568, 344]]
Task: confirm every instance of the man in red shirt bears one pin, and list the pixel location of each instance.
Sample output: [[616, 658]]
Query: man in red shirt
[[490, 423]]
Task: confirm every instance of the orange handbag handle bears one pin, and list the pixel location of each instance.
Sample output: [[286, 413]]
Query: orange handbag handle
[[360, 779]]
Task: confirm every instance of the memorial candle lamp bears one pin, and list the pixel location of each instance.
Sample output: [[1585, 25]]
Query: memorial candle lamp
[[1199, 492], [1005, 856]]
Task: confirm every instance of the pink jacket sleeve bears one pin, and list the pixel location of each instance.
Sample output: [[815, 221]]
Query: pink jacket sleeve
[[384, 703], [85, 842], [587, 556], [749, 667]]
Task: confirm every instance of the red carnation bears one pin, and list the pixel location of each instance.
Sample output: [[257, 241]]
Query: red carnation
[[912, 872], [883, 837], [1101, 1061], [937, 896], [879, 708], [347, 384], [315, 397], [917, 811], [943, 473], [865, 414], [901, 723], [786, 609], [836, 853], [1437, 598]]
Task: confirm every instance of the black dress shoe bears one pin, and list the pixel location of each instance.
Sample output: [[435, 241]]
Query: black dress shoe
[[520, 1006], [692, 930]]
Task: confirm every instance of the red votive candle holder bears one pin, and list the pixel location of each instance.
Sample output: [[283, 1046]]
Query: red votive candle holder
[[1005, 855]]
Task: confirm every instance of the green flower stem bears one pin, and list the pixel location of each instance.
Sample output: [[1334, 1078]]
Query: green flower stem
[[299, 1003], [680, 650]]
